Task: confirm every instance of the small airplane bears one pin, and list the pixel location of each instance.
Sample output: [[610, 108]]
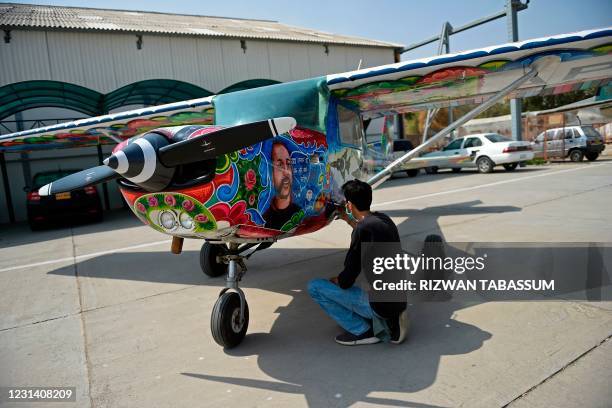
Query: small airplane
[[245, 169]]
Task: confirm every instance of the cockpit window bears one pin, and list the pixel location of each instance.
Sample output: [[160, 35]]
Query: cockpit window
[[350, 127]]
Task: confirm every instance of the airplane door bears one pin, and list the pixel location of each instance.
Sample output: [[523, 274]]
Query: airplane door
[[351, 138]]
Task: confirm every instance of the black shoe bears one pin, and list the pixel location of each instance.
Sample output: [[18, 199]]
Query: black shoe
[[349, 339], [399, 328]]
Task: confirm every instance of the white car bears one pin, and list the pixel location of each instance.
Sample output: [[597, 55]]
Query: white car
[[485, 151]]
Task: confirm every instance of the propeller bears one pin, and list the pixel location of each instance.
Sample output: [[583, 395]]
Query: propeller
[[224, 141], [78, 180], [150, 161]]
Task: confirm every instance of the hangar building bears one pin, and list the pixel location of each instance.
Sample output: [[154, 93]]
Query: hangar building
[[59, 63]]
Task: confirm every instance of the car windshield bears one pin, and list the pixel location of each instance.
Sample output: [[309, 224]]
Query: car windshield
[[495, 138], [590, 132], [45, 178]]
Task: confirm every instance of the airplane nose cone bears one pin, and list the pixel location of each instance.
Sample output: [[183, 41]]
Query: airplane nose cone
[[111, 162], [119, 162]]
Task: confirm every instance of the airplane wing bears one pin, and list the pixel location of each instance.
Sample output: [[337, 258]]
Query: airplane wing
[[112, 128], [565, 63], [482, 77]]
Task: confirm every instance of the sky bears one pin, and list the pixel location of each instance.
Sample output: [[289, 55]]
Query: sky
[[404, 22]]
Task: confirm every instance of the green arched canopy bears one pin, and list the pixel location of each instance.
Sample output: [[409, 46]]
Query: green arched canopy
[[20, 96], [26, 95], [153, 92], [248, 84]]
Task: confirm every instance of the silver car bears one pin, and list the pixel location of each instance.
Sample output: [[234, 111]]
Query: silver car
[[575, 142]]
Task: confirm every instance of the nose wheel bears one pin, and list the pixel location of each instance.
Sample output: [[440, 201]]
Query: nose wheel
[[229, 320], [227, 323]]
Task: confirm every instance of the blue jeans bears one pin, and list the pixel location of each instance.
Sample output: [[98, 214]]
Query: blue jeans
[[349, 307]]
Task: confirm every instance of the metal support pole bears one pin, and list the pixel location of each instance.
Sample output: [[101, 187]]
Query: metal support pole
[[512, 7], [7, 188], [383, 175]]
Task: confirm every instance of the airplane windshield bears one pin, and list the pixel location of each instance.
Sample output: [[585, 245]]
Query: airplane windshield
[[306, 101]]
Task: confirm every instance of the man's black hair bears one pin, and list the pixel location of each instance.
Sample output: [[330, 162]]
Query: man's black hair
[[359, 193]]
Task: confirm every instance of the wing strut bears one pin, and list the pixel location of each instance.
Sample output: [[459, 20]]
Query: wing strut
[[384, 174]]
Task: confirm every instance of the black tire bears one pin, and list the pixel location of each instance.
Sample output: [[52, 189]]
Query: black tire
[[592, 156], [208, 259], [485, 165], [431, 170], [225, 320], [412, 172], [456, 169], [510, 166], [576, 156]]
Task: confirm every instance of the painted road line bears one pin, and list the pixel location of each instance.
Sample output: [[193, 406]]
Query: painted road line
[[85, 256], [496, 183]]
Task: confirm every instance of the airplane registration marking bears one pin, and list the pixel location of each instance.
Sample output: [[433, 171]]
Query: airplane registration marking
[[458, 190]]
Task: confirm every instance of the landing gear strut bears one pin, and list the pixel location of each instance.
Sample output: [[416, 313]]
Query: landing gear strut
[[229, 320]]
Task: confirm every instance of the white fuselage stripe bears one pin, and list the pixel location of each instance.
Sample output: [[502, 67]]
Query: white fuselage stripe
[[150, 161], [122, 162], [272, 128]]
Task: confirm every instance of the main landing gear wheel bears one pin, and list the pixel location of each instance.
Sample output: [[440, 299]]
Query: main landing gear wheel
[[209, 259], [227, 323]]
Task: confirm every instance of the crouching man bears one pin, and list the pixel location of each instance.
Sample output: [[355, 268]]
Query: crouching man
[[346, 303]]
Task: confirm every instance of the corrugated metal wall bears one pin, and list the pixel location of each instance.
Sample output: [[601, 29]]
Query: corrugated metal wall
[[107, 61]]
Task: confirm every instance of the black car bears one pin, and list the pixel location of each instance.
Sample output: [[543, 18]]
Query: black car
[[61, 208]]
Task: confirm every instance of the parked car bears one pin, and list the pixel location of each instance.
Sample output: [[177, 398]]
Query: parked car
[[486, 150], [575, 142], [61, 207]]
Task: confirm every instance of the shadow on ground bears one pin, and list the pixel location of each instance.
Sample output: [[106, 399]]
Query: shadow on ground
[[299, 351]]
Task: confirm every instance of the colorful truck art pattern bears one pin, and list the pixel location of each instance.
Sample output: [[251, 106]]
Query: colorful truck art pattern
[[122, 130], [456, 81], [241, 192]]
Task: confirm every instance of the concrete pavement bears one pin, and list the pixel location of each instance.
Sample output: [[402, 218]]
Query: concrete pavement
[[108, 309]]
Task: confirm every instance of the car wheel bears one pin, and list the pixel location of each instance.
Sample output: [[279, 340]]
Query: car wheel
[[431, 170], [576, 156], [592, 156], [456, 169], [510, 166], [485, 165], [412, 172]]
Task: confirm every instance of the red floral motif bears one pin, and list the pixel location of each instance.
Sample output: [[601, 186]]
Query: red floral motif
[[235, 214], [188, 205], [201, 218], [252, 199], [170, 200], [152, 201], [140, 207], [250, 179]]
